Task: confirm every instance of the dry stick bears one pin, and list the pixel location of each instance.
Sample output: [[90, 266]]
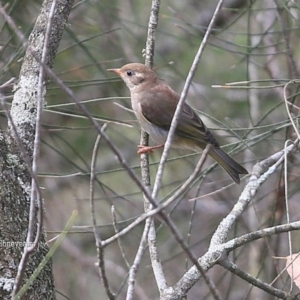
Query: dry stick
[[100, 249], [137, 260], [252, 236], [116, 228], [287, 105], [149, 229], [227, 264], [8, 83], [286, 198]]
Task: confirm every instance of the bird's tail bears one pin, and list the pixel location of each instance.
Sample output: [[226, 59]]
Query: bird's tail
[[233, 168]]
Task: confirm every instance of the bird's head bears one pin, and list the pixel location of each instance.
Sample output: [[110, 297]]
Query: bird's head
[[135, 75]]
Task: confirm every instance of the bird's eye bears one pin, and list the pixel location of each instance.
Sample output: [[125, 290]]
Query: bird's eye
[[130, 73]]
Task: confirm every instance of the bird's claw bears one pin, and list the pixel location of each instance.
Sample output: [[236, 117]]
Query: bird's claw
[[144, 149], [148, 149]]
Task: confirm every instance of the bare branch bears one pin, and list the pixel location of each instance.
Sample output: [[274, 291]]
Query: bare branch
[[226, 263], [100, 248]]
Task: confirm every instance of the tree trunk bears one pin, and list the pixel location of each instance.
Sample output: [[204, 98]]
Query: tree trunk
[[15, 178]]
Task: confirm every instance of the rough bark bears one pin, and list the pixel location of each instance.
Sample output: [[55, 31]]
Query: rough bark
[[15, 180]]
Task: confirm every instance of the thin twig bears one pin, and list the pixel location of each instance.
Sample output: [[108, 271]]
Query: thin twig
[[227, 264], [137, 260], [116, 228], [286, 198], [8, 83], [287, 105], [100, 249], [255, 235]]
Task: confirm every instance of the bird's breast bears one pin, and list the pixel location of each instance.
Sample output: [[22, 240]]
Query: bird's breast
[[158, 135]]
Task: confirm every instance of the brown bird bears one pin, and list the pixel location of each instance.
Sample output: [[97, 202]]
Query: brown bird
[[154, 104]]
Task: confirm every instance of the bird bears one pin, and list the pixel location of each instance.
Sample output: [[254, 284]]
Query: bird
[[154, 104]]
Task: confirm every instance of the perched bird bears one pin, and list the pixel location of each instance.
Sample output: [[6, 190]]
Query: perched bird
[[154, 104]]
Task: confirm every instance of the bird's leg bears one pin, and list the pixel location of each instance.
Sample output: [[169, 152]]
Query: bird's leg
[[148, 149]]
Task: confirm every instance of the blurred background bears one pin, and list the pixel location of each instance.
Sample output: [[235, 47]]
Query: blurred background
[[256, 42]]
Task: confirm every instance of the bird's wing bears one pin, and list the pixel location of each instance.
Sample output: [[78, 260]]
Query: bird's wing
[[160, 112]]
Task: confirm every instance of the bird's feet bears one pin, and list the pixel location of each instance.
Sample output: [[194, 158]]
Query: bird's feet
[[148, 149]]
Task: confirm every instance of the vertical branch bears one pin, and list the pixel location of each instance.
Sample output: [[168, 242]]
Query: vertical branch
[[149, 53], [155, 261], [149, 229], [152, 25]]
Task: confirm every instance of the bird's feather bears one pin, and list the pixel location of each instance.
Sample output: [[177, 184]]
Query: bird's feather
[[160, 112]]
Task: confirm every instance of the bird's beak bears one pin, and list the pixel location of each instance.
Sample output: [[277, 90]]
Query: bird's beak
[[116, 71]]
